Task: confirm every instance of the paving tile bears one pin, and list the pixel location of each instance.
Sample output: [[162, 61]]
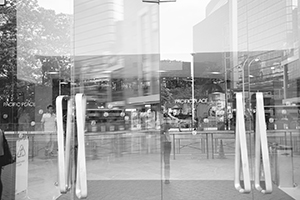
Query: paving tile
[[176, 190]]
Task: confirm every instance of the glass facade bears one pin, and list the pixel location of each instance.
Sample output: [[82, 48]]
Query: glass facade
[[98, 100]]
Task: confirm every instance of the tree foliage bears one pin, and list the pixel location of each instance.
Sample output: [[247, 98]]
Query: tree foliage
[[8, 50], [44, 41], [34, 41], [166, 98]]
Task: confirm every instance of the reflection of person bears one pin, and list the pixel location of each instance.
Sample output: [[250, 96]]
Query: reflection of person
[[1, 154], [24, 120], [49, 125], [166, 149]]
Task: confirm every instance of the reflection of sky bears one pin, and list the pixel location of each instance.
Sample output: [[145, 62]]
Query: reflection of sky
[[60, 6], [176, 20], [176, 27]]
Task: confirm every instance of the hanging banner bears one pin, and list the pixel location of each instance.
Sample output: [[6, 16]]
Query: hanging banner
[[22, 166]]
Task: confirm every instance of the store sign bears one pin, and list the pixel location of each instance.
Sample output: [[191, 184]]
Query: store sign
[[22, 166], [184, 101], [18, 104]]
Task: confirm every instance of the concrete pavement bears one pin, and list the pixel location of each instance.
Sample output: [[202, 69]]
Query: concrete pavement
[[189, 172], [136, 161]]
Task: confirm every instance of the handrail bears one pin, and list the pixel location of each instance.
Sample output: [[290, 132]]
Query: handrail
[[81, 180], [261, 148], [241, 153], [68, 143], [63, 152]]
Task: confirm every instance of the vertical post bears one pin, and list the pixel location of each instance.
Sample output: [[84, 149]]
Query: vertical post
[[212, 145], [243, 82], [226, 97], [193, 90], [233, 37], [249, 100], [174, 146], [207, 151], [32, 149], [59, 82], [285, 81], [249, 88]]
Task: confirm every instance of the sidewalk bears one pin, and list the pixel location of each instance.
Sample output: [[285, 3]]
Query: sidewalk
[[138, 176], [139, 165], [176, 190]]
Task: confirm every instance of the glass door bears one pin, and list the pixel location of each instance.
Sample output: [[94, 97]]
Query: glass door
[[138, 100], [116, 64], [36, 62], [213, 67]]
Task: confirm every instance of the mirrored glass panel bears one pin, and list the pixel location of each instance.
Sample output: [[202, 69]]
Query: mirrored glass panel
[[180, 99], [35, 68], [116, 62]]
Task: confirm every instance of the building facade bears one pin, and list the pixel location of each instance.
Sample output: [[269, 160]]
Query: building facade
[[261, 37], [267, 30]]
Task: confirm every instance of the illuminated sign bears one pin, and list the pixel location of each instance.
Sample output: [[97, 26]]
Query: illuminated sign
[[183, 101], [18, 104]]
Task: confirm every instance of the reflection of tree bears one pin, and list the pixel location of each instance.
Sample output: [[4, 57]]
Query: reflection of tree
[[181, 88], [60, 64], [8, 51], [33, 31], [41, 32], [166, 97], [26, 32]]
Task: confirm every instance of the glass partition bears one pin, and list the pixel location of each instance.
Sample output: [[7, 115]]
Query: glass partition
[[172, 106], [236, 47], [36, 62], [116, 62]]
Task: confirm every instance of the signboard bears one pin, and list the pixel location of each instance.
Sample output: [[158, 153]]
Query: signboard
[[2, 2], [18, 104], [190, 101], [21, 166]]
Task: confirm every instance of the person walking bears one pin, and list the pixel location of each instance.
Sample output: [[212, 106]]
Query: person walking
[[49, 126], [166, 149], [24, 120]]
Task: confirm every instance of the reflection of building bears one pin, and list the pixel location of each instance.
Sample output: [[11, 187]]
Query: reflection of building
[[117, 57], [141, 47], [97, 47], [96, 26], [211, 42], [291, 62], [237, 32], [265, 31], [116, 52]]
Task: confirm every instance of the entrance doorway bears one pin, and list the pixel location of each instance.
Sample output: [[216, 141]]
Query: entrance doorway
[[137, 118]]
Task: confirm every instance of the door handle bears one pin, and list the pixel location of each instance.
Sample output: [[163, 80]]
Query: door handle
[[81, 180], [241, 152], [261, 148], [64, 150]]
